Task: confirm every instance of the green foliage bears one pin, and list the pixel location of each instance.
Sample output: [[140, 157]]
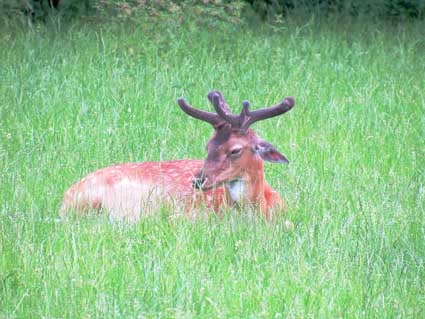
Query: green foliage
[[372, 8], [208, 11], [126, 10], [77, 97]]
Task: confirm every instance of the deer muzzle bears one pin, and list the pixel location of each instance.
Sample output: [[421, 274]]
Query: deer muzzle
[[198, 183], [203, 182]]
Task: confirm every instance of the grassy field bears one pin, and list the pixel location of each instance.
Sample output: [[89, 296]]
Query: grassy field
[[79, 97]]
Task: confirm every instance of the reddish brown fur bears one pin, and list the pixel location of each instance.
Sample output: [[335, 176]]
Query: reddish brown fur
[[172, 178], [249, 166]]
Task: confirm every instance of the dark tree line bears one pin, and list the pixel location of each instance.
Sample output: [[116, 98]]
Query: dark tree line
[[266, 9], [381, 8]]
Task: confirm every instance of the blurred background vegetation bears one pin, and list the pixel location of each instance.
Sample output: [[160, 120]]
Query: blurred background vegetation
[[271, 11]]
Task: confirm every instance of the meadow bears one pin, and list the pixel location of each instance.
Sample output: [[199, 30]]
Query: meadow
[[76, 97]]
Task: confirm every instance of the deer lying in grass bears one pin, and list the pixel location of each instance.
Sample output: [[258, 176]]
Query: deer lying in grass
[[232, 174]]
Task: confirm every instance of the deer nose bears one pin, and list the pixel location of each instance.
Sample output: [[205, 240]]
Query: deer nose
[[198, 181]]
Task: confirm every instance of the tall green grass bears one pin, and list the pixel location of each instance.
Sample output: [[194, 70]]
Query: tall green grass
[[81, 97]]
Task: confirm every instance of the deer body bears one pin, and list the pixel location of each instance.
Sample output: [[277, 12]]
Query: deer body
[[132, 190], [232, 174]]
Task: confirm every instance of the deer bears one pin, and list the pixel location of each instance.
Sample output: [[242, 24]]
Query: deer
[[232, 175]]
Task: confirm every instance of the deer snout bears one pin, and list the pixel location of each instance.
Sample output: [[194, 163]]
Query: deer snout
[[199, 181]]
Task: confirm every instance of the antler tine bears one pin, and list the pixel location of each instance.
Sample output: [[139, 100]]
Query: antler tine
[[245, 110], [251, 117], [223, 103], [205, 116], [230, 118]]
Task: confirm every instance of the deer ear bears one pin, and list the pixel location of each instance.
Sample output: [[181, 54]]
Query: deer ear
[[269, 153]]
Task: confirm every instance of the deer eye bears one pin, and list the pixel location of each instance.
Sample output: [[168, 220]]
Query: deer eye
[[235, 152]]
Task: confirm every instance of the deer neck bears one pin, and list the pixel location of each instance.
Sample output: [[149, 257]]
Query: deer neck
[[248, 188], [237, 189]]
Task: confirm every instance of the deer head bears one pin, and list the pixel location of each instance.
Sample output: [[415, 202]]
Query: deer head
[[235, 151]]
